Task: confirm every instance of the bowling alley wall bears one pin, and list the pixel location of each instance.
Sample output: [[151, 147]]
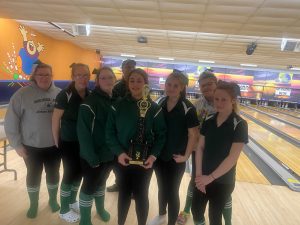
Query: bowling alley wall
[[254, 84], [21, 46]]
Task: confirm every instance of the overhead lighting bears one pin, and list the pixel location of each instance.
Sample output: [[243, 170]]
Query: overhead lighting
[[128, 55], [249, 65], [165, 58], [206, 61], [59, 27], [295, 68]]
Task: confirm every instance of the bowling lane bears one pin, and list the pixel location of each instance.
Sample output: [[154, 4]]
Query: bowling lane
[[292, 113], [280, 148], [285, 128], [279, 115], [246, 171], [2, 113]]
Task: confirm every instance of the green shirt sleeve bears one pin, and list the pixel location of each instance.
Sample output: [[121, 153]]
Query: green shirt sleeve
[[111, 133], [85, 126], [159, 130]]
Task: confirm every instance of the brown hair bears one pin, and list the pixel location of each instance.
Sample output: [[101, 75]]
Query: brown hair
[[207, 75], [100, 71], [75, 66], [182, 78], [140, 72], [39, 66], [230, 88]]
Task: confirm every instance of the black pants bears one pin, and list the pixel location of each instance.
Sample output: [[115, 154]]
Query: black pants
[[116, 169], [71, 162], [93, 178], [217, 194], [169, 175], [134, 180], [36, 159]]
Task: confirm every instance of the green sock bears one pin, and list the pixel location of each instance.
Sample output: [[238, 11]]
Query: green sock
[[52, 190], [227, 211], [189, 199], [99, 201], [74, 191], [33, 193], [85, 204], [65, 198]]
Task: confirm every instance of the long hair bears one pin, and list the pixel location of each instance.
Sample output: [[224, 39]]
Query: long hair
[[231, 89]]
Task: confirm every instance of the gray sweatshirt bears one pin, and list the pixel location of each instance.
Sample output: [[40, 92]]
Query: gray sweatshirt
[[29, 115]]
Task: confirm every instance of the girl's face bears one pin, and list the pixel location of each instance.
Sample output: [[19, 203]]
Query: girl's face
[[136, 83], [173, 87], [223, 102], [43, 78], [81, 77], [106, 81]]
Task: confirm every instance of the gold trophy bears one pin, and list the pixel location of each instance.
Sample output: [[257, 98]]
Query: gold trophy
[[138, 150]]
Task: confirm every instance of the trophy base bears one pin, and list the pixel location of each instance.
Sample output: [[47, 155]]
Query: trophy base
[[136, 162]]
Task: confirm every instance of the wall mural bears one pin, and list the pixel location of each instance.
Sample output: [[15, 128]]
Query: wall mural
[[19, 65]]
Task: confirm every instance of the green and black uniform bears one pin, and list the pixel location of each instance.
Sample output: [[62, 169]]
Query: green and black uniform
[[120, 89], [69, 100], [169, 173], [96, 157], [121, 129], [218, 142]]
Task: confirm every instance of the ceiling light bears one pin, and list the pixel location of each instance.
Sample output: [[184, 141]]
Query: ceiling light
[[206, 61], [165, 58], [249, 65], [128, 55]]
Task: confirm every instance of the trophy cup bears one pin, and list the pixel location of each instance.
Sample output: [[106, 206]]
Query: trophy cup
[[138, 150]]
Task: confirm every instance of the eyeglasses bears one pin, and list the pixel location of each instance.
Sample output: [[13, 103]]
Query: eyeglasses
[[81, 76]]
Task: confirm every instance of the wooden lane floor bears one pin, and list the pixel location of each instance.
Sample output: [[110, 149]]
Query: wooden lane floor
[[291, 112], [247, 172], [279, 115], [280, 148], [285, 128], [254, 204], [2, 113]]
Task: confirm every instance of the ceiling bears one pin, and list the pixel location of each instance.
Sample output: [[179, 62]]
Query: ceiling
[[187, 30]]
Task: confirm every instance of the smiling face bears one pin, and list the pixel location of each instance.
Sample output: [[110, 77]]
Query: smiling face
[[43, 78], [31, 48], [106, 80], [173, 87], [81, 76], [223, 102], [208, 87], [136, 83]]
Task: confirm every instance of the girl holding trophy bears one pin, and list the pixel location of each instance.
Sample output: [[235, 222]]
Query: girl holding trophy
[[136, 134]]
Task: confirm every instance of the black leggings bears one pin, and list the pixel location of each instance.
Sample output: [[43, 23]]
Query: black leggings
[[71, 162], [217, 194], [169, 175], [93, 178], [36, 159], [134, 180]]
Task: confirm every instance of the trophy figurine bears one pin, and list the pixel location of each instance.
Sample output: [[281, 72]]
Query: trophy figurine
[[138, 150]]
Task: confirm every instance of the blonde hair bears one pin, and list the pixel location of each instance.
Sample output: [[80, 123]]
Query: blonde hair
[[182, 79]]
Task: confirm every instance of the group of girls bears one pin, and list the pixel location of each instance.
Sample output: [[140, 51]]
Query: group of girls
[[88, 130]]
